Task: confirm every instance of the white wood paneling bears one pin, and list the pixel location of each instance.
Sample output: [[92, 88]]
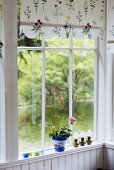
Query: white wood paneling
[[99, 158], [68, 162], [108, 158], [81, 161], [17, 168], [33, 166], [48, 164], [83, 158], [9, 169], [87, 160], [25, 167], [55, 164], [40, 165], [93, 159], [75, 162], [62, 162]]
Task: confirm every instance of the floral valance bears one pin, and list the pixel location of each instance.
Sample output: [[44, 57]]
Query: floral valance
[[111, 25], [60, 17], [1, 27]]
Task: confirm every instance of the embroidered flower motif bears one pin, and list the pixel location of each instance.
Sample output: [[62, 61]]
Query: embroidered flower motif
[[86, 30], [1, 45], [57, 30], [70, 4], [67, 26], [112, 30], [68, 17], [37, 26], [27, 12], [36, 3], [86, 7], [79, 16]]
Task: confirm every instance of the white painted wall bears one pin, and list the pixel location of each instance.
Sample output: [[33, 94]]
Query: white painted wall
[[83, 158]]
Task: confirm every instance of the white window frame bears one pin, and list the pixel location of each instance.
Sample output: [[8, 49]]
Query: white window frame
[[96, 73], [9, 131]]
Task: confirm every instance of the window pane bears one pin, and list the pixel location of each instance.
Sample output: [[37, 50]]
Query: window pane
[[83, 90], [83, 43], [29, 100], [57, 91], [57, 42]]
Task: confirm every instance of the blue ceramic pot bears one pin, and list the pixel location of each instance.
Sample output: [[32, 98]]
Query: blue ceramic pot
[[59, 144]]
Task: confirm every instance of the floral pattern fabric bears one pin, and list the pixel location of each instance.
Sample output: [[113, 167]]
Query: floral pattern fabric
[[110, 25], [62, 16], [1, 27]]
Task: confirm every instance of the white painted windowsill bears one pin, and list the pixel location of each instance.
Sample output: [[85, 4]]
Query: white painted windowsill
[[52, 154]]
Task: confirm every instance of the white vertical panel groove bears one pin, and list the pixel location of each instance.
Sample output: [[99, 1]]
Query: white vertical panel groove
[[25, 167], [55, 164], [9, 169], [110, 158], [81, 161], [62, 161], [40, 165], [87, 160], [48, 165], [113, 160], [93, 159], [100, 158], [75, 162], [17, 168], [68, 162], [33, 166]]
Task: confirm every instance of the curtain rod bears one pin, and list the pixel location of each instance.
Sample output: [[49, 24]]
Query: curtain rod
[[57, 25]]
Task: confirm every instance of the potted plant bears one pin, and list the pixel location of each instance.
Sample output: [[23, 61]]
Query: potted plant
[[59, 136]]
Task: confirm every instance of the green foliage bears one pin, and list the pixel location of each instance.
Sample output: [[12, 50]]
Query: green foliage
[[63, 132], [57, 89]]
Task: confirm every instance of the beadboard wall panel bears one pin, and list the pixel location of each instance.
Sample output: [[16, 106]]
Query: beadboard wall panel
[[100, 155], [80, 160], [109, 158]]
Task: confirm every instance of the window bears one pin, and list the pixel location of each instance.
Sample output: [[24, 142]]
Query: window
[[55, 81], [31, 78]]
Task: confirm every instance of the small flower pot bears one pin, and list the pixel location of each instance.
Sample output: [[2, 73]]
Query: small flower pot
[[25, 155], [75, 143], [82, 142], [89, 141], [59, 144]]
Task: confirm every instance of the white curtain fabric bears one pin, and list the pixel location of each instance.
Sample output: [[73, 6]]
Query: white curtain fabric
[[110, 24], [110, 20], [1, 29], [1, 19], [58, 17]]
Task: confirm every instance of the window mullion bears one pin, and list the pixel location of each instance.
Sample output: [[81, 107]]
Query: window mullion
[[96, 88], [70, 74], [43, 92]]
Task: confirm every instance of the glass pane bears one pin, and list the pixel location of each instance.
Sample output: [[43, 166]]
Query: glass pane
[[57, 91], [29, 100], [57, 42], [83, 43], [83, 90]]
